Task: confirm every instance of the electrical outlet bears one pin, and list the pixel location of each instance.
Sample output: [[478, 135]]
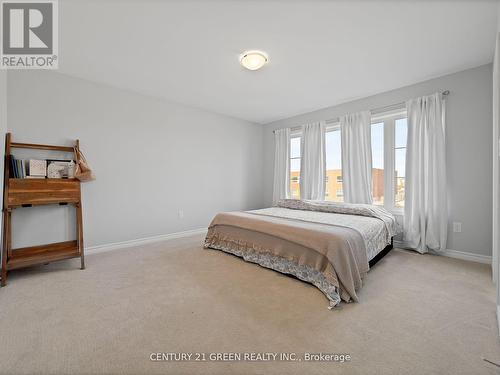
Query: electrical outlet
[[457, 227], [181, 214]]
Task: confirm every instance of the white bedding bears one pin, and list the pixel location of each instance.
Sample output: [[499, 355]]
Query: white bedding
[[373, 230]]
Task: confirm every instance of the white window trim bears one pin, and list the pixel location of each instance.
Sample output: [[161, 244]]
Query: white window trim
[[295, 157], [332, 127], [389, 120], [295, 134], [382, 116], [335, 126]]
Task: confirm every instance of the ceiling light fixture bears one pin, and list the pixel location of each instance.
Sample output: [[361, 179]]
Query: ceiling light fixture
[[253, 60]]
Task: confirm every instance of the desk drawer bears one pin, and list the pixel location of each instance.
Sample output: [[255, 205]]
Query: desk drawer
[[27, 191]]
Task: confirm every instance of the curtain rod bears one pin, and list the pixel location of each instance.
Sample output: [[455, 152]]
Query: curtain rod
[[377, 110]]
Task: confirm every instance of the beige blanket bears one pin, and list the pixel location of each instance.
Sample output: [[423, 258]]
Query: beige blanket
[[337, 253]]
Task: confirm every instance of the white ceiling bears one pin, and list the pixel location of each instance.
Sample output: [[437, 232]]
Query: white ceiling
[[321, 53]]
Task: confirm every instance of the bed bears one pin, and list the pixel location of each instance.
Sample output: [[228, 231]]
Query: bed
[[330, 245]]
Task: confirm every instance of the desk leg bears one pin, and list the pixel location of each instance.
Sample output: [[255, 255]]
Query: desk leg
[[5, 245], [79, 231]]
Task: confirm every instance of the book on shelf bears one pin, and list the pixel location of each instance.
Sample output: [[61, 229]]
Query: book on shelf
[[37, 168], [20, 168], [15, 167], [12, 167], [40, 169]]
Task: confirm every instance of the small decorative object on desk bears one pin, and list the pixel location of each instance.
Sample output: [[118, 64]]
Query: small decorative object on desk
[[37, 168], [61, 169]]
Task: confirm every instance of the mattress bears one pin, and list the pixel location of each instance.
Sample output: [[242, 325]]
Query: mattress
[[326, 244], [374, 232]]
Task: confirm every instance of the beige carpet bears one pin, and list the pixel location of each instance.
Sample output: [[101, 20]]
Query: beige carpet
[[417, 315]]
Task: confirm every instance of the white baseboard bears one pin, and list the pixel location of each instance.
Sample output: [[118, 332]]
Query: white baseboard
[[165, 237], [142, 241], [486, 259], [472, 257]]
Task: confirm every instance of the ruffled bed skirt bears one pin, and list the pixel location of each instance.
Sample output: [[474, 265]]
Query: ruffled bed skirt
[[264, 258]]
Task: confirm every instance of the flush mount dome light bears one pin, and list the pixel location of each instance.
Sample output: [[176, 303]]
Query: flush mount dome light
[[253, 60]]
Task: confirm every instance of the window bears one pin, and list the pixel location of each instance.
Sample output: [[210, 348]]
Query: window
[[333, 146], [400, 135], [377, 131], [295, 167], [388, 140]]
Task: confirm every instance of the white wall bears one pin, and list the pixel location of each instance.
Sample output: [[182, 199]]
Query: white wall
[[469, 148], [3, 124], [495, 159], [151, 157], [3, 129], [496, 167]]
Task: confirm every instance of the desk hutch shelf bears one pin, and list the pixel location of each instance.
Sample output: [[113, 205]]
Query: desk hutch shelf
[[25, 192]]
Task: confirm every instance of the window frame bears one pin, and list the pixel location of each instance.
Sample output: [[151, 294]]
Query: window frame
[[389, 119], [330, 127], [294, 134]]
